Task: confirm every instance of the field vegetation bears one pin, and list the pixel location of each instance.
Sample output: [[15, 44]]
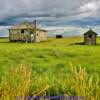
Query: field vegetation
[[52, 68]]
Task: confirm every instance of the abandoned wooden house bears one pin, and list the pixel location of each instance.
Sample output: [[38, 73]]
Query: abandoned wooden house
[[90, 37], [27, 32]]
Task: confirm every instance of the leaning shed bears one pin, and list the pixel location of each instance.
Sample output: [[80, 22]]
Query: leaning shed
[[90, 37], [27, 32]]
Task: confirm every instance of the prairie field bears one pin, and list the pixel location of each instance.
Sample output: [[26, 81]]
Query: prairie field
[[54, 67]]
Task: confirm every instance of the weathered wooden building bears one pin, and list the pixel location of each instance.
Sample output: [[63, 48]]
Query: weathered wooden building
[[27, 32], [90, 37]]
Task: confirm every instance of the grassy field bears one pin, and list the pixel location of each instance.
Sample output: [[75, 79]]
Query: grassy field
[[45, 68]]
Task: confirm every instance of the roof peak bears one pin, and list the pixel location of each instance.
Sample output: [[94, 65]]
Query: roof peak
[[90, 31], [26, 25]]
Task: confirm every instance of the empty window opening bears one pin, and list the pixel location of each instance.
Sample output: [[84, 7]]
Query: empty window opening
[[22, 31], [90, 35]]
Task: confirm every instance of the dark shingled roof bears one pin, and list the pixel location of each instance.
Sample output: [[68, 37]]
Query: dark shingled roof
[[90, 31]]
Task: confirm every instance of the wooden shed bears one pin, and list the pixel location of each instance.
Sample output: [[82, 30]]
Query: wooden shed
[[90, 37], [59, 36], [27, 32]]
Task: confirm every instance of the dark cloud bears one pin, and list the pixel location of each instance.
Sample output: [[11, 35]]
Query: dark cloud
[[80, 13], [48, 8]]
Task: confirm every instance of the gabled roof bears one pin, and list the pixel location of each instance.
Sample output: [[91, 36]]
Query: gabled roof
[[90, 31], [25, 25]]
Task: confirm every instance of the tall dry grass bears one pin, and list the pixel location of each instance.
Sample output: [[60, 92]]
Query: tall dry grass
[[19, 82], [80, 83], [15, 82]]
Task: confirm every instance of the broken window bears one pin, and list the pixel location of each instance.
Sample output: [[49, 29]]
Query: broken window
[[22, 31], [90, 35]]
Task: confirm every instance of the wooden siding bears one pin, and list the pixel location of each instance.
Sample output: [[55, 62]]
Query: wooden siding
[[28, 35], [88, 40], [41, 36]]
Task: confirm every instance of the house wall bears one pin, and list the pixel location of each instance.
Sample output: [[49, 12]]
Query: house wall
[[90, 41], [41, 36], [16, 35]]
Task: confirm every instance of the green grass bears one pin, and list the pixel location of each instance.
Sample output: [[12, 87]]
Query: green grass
[[50, 60], [50, 54]]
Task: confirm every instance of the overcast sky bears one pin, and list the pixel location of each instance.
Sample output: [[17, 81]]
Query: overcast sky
[[70, 17]]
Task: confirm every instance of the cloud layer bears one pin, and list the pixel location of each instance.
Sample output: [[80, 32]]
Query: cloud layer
[[48, 8], [63, 14]]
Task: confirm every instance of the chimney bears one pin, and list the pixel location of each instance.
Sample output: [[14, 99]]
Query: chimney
[[35, 25], [35, 28]]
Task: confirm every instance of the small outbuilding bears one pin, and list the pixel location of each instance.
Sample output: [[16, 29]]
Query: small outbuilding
[[90, 37], [27, 32], [59, 36]]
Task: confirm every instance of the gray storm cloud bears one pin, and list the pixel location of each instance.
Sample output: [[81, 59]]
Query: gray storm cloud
[[49, 8], [57, 16]]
